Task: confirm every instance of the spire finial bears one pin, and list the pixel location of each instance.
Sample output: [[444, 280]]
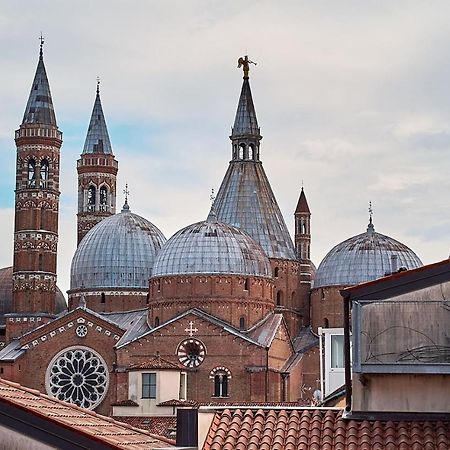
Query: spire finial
[[126, 207], [98, 85], [244, 62], [370, 227], [212, 216], [41, 39]]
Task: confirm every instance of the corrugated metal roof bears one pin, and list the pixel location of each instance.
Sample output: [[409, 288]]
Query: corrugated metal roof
[[97, 138]]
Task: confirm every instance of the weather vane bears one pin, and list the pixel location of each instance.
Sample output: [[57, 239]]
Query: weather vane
[[244, 62], [126, 192]]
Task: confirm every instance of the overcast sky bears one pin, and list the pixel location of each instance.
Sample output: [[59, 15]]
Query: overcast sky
[[352, 97]]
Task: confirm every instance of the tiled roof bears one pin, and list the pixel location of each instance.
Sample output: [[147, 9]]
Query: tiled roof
[[319, 429], [302, 205], [156, 363], [82, 421], [176, 402], [125, 403], [162, 426]]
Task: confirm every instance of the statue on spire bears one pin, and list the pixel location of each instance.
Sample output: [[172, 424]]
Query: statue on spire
[[244, 62]]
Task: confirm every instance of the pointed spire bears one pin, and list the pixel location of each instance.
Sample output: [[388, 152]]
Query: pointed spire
[[302, 205], [39, 109], [126, 206], [97, 138], [245, 122], [370, 227]]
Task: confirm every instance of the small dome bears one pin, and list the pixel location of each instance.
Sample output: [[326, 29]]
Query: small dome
[[362, 258], [211, 247], [6, 301], [119, 252]]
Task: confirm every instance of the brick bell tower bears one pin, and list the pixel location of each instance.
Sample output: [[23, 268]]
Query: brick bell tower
[[38, 142], [302, 218], [97, 172]]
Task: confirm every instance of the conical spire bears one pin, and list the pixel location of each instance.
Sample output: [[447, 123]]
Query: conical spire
[[245, 122], [97, 138], [302, 205], [39, 109]]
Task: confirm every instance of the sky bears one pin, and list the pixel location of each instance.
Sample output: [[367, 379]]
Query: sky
[[353, 101]]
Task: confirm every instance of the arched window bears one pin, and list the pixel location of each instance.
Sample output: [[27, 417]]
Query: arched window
[[148, 298], [251, 152], [103, 298], [293, 297], [91, 198], [242, 323], [40, 262], [221, 377], [246, 284], [31, 173], [103, 198], [279, 298], [241, 151], [326, 323], [275, 272], [156, 321], [44, 173]]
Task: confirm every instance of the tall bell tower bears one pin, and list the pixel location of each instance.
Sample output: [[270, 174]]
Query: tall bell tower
[[97, 172], [38, 143]]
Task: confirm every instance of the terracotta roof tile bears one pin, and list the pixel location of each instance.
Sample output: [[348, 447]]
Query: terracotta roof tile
[[320, 429], [83, 421], [157, 363], [158, 425]]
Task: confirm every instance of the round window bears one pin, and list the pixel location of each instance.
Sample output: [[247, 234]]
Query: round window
[[191, 353], [78, 375]]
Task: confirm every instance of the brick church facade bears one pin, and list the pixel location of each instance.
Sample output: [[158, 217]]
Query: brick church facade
[[219, 312]]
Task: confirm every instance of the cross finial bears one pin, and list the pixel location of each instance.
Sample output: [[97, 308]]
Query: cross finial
[[212, 197], [244, 62], [191, 330], [370, 228], [126, 207], [41, 40], [98, 85]]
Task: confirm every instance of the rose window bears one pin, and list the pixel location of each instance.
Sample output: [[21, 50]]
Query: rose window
[[78, 375], [81, 331], [191, 353]]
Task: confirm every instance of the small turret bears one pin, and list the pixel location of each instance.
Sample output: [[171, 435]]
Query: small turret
[[97, 172], [302, 217]]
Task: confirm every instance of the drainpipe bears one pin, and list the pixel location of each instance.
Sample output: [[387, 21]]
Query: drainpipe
[[266, 393], [348, 382], [322, 388]]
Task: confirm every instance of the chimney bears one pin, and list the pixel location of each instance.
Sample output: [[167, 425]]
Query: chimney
[[187, 427]]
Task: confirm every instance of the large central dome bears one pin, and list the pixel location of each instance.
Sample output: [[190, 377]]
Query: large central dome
[[362, 258], [119, 252], [211, 247]]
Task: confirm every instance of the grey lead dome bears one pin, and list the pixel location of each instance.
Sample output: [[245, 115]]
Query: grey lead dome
[[362, 258], [211, 247], [119, 252]]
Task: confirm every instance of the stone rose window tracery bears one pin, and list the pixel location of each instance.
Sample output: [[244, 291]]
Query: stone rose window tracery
[[78, 375], [191, 353]]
